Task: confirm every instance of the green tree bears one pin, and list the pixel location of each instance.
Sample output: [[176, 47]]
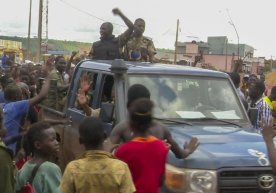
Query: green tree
[[268, 64]]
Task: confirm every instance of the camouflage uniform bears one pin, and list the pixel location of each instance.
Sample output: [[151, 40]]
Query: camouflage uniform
[[139, 49], [55, 99]]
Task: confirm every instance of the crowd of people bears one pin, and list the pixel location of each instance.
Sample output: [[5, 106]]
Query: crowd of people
[[29, 144], [260, 105], [261, 108], [138, 164]]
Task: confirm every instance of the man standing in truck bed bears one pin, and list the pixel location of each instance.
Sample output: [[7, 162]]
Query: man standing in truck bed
[[139, 47], [110, 47]]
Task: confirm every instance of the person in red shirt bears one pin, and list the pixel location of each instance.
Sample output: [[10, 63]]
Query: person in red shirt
[[145, 154]]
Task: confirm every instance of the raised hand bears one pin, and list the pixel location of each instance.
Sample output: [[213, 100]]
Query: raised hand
[[85, 83], [167, 144], [191, 146], [116, 11], [74, 53], [45, 70], [268, 131], [81, 97]]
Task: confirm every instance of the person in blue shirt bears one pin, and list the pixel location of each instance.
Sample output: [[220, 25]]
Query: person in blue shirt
[[4, 59], [16, 109]]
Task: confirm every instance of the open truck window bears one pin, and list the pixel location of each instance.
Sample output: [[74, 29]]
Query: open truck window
[[86, 86]]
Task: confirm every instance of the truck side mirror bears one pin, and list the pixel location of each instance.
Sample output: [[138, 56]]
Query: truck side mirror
[[253, 114], [106, 112]]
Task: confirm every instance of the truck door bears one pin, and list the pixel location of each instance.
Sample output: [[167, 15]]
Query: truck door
[[71, 147], [106, 102]]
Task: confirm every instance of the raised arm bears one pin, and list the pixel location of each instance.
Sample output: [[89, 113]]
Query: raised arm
[[43, 93], [83, 101], [117, 133], [68, 66], [268, 134], [129, 24], [189, 147]]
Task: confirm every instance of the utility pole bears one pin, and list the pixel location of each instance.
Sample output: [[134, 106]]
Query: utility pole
[[44, 36], [232, 23], [226, 53], [176, 41], [29, 31], [238, 40], [39, 31]]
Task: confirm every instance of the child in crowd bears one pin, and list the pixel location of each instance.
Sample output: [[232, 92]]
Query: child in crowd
[[97, 170], [144, 154], [30, 118], [41, 144], [5, 80], [16, 109]]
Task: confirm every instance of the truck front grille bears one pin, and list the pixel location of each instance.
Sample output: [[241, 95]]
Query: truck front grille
[[244, 180]]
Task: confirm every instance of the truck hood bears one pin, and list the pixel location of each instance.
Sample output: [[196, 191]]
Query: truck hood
[[219, 147]]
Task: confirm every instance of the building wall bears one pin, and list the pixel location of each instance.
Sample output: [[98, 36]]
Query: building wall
[[219, 61], [181, 49], [203, 50], [254, 68], [231, 49], [215, 51], [217, 44], [191, 48], [246, 51]]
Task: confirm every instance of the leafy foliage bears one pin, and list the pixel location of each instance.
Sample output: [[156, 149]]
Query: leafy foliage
[[268, 64]]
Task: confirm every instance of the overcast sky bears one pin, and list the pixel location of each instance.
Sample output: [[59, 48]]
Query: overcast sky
[[80, 20]]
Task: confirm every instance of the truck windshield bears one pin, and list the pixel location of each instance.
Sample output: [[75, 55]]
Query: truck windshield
[[190, 97]]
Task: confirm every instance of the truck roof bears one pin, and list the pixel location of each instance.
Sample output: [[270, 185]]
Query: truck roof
[[151, 68]]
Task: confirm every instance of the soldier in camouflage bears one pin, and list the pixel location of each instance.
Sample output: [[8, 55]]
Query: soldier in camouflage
[[57, 94], [139, 47]]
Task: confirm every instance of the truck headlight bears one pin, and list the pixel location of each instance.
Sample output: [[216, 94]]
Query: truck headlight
[[202, 180], [190, 181]]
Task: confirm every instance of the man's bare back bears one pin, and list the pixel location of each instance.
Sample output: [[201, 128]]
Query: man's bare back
[[122, 133]]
